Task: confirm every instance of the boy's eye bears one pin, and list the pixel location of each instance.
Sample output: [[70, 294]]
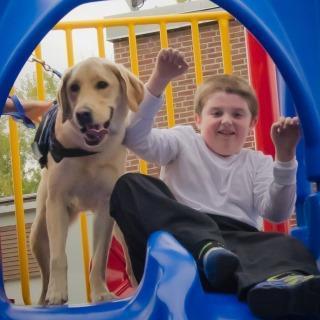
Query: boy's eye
[[216, 113], [238, 115]]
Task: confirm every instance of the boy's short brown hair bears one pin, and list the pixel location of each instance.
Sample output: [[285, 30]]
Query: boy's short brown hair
[[229, 84]]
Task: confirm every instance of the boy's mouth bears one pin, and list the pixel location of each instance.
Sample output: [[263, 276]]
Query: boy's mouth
[[226, 133]]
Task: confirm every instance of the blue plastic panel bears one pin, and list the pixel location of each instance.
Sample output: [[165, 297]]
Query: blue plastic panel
[[169, 289]]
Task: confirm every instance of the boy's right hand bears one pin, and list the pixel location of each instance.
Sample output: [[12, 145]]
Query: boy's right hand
[[169, 65]]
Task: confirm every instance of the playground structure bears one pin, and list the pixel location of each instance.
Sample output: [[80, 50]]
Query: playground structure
[[158, 295]]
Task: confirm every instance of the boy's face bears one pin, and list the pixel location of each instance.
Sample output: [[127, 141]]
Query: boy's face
[[225, 122]]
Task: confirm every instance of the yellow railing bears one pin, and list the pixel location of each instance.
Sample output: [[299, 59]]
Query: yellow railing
[[193, 19], [18, 201]]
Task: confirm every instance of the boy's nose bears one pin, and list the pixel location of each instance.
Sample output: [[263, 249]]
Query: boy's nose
[[226, 119]]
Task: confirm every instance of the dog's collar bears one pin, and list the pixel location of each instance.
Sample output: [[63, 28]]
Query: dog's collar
[[58, 151]]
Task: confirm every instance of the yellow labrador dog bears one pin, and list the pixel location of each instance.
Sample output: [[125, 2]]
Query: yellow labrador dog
[[85, 158]]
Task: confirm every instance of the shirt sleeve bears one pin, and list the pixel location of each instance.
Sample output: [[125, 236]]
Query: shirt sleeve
[[151, 144], [275, 189]]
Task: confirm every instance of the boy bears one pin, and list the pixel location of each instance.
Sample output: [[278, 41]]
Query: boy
[[213, 194]]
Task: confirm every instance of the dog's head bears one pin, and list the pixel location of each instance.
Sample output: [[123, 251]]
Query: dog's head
[[95, 96]]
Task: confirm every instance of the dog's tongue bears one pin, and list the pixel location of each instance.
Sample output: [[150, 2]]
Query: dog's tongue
[[94, 136], [97, 134]]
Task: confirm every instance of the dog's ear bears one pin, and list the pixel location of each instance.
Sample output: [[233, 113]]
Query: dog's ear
[[62, 97], [132, 87]]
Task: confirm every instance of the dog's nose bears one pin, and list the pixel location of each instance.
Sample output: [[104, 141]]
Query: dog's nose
[[84, 118]]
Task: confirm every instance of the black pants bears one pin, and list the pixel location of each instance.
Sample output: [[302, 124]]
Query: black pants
[[142, 204]]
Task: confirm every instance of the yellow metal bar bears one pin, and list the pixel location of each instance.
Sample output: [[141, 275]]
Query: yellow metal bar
[[116, 22], [196, 51], [163, 35], [169, 95], [69, 47], [143, 166], [39, 75], [133, 50], [101, 40], [225, 45], [83, 217], [18, 201], [85, 253]]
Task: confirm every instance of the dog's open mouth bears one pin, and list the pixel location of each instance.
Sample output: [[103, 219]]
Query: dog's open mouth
[[94, 134]]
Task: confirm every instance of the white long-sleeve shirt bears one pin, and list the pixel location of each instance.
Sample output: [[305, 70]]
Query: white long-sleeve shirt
[[246, 186]]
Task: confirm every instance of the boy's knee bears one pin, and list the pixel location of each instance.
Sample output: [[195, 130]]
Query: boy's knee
[[127, 178], [121, 192], [122, 184]]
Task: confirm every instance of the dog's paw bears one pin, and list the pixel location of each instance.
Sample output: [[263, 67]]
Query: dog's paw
[[56, 294], [56, 298], [102, 295]]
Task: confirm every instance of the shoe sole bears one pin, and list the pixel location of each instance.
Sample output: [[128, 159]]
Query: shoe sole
[[304, 299]]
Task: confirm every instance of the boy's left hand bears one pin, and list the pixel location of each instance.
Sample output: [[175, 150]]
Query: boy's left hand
[[285, 134]]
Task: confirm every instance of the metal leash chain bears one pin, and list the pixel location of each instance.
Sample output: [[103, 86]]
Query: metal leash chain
[[45, 66]]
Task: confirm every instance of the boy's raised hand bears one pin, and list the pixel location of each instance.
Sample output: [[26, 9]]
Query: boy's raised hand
[[285, 134], [169, 65]]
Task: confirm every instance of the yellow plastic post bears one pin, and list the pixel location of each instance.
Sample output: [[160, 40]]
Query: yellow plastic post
[[225, 45], [18, 202], [69, 42], [85, 253], [100, 38], [39, 75], [83, 217], [168, 92], [196, 51], [143, 166]]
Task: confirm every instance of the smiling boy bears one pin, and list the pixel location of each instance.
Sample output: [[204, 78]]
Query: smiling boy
[[213, 194]]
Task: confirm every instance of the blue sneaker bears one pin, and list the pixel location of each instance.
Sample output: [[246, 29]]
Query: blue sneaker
[[219, 265], [286, 295]]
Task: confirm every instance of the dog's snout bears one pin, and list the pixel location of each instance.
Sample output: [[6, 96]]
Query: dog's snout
[[84, 118]]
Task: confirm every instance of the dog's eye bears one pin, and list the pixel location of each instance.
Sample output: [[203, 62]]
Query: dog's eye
[[75, 88], [101, 85]]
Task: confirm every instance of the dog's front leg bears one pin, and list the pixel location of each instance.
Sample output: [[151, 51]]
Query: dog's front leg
[[102, 231], [57, 224]]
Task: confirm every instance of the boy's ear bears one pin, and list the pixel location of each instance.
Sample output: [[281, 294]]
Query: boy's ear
[[253, 123], [197, 120]]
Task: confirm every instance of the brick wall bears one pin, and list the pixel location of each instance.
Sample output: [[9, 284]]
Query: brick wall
[[184, 86]]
